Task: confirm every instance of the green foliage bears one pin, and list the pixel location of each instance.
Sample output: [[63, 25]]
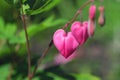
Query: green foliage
[[40, 3], [48, 23], [24, 1], [4, 70], [56, 77], [47, 6], [10, 1], [34, 7], [55, 74], [10, 30], [8, 33], [86, 76], [26, 8]]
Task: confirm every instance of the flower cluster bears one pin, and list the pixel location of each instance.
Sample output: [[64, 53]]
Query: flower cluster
[[67, 42]]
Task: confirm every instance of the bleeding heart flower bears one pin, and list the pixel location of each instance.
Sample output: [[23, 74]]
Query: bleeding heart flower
[[91, 22], [92, 12], [65, 42], [91, 27], [101, 19], [79, 30]]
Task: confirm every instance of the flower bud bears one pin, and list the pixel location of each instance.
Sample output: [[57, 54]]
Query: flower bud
[[92, 12], [101, 18]]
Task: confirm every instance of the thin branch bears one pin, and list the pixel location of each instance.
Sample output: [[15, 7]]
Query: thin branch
[[27, 42], [42, 57], [64, 27], [77, 14]]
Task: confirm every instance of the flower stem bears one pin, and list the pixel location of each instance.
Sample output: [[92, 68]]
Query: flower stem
[[42, 57], [27, 43], [77, 14], [64, 27]]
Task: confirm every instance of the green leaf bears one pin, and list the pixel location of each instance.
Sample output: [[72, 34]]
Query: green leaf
[[86, 76], [41, 3], [35, 28], [49, 5], [10, 30], [55, 76], [17, 1], [1, 25], [4, 50], [24, 1], [10, 1], [26, 8], [17, 40], [4, 70], [2, 36]]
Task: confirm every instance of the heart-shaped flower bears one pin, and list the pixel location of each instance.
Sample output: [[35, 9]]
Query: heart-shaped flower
[[65, 42], [79, 30]]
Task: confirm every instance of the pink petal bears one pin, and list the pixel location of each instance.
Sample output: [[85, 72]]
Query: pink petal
[[59, 40], [65, 43], [91, 27], [79, 30], [59, 59], [70, 44], [92, 11]]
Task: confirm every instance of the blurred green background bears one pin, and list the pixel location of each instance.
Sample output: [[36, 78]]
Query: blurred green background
[[98, 59]]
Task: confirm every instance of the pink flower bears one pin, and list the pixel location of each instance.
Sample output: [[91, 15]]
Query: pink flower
[[65, 42], [91, 22], [91, 28], [92, 12], [79, 30], [101, 19]]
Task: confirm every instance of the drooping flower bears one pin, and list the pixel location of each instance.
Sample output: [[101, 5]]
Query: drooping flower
[[92, 12], [79, 30], [91, 21], [101, 19], [65, 42]]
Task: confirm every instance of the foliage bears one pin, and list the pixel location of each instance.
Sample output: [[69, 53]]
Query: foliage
[[86, 76], [45, 16], [4, 69], [45, 7]]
